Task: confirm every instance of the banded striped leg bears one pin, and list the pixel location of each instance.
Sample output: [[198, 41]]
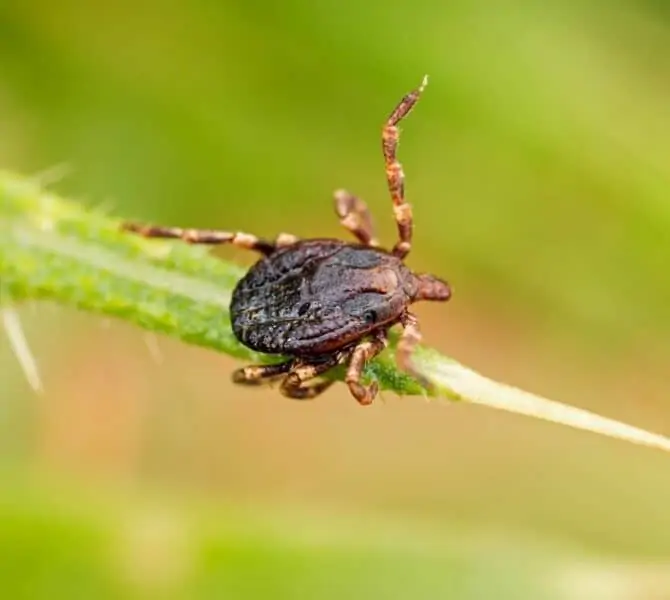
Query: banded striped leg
[[394, 172], [409, 340], [355, 216], [364, 352], [212, 236], [260, 374], [294, 386]]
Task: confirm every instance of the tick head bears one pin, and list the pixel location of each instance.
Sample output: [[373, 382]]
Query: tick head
[[428, 287]]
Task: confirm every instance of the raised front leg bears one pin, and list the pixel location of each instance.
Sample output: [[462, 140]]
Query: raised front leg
[[355, 216], [394, 172], [361, 355], [212, 236]]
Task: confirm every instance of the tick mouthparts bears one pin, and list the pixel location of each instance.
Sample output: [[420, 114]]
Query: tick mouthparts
[[429, 287]]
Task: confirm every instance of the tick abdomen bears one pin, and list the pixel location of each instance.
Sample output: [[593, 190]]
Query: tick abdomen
[[311, 297]]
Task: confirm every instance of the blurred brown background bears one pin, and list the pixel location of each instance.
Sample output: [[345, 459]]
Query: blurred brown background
[[537, 164]]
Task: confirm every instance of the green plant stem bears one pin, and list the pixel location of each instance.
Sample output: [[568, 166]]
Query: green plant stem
[[51, 249]]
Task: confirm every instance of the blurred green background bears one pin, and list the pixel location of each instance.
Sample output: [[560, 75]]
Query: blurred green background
[[538, 166]]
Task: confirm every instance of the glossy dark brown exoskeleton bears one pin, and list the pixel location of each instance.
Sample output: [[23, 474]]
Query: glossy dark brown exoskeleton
[[324, 302]]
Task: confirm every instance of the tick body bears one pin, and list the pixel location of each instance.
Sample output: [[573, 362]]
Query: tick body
[[325, 302]]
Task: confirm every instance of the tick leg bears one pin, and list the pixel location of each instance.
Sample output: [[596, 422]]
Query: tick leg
[[304, 392], [364, 352], [203, 236], [409, 340], [285, 239], [260, 374], [294, 386], [394, 172], [355, 216]]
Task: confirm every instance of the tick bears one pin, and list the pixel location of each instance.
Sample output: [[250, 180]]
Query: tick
[[324, 302]]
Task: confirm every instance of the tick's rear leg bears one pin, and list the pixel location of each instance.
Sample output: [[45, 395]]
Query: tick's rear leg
[[294, 386], [295, 390], [394, 172], [363, 353], [212, 236], [260, 374], [355, 216], [409, 340]]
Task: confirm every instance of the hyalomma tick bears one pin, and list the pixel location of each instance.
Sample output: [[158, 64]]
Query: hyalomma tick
[[325, 302]]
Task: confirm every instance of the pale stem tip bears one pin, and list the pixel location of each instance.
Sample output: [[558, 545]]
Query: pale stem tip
[[19, 345]]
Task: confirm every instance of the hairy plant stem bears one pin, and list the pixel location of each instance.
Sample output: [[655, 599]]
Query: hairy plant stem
[[52, 249]]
